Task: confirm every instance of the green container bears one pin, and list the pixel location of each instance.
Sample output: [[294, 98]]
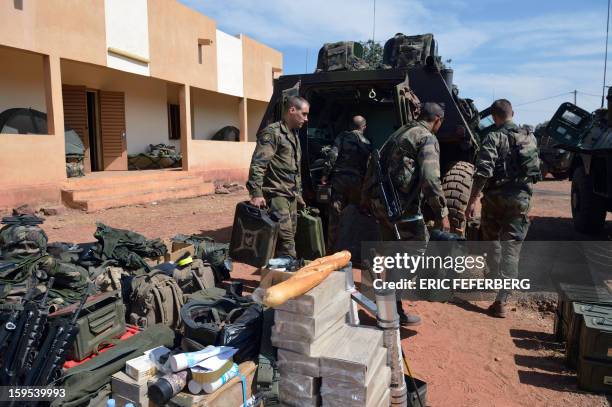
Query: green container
[[309, 237], [570, 293], [596, 338], [575, 323], [595, 375], [101, 320]]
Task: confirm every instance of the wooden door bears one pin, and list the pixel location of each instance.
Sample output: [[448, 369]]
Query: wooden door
[[75, 116], [112, 129]]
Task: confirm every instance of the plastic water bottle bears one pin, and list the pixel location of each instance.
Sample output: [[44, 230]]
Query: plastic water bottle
[[110, 403]]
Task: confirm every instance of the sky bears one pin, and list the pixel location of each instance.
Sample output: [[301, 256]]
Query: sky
[[521, 50]]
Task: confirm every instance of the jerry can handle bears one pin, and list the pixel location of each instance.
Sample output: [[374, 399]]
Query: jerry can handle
[[253, 210]]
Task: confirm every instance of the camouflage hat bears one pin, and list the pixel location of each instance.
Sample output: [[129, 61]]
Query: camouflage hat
[[20, 241]]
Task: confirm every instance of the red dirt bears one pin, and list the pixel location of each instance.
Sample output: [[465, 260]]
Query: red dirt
[[466, 357]]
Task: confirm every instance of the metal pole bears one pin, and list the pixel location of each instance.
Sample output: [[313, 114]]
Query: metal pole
[[306, 70], [575, 92], [374, 23], [603, 91]]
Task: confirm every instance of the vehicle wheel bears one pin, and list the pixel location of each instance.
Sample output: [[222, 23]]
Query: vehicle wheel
[[588, 209], [457, 185]]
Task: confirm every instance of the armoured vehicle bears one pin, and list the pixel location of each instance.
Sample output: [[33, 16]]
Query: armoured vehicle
[[553, 160], [388, 96], [589, 137]]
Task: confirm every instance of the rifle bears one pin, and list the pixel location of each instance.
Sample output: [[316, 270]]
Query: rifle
[[23, 220], [9, 327], [29, 330], [54, 349]]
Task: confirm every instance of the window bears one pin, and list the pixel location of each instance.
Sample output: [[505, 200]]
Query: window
[[174, 122]]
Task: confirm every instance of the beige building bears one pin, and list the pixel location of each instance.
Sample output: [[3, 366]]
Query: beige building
[[123, 75]]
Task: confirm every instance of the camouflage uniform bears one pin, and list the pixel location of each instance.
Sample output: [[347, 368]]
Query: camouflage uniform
[[275, 175], [346, 167], [413, 161], [505, 205]]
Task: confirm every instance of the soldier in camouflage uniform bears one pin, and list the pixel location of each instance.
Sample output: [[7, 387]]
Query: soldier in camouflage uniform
[[505, 202], [345, 169], [274, 176], [412, 159]]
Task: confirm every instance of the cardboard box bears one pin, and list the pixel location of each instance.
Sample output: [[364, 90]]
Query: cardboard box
[[229, 395], [126, 387], [140, 368], [175, 251]]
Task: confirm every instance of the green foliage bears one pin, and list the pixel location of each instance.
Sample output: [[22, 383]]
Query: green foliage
[[372, 53]]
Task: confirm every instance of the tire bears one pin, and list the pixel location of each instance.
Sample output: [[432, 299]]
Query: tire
[[457, 185], [588, 209]]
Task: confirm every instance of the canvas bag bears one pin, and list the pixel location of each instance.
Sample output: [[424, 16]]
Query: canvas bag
[[155, 298]]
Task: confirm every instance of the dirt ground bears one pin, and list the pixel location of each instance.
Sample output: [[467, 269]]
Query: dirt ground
[[466, 357]]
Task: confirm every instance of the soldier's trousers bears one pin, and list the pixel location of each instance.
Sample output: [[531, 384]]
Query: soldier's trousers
[[287, 210], [342, 195], [503, 226], [414, 232]]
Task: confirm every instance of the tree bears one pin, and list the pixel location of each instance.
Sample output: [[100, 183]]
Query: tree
[[372, 53]]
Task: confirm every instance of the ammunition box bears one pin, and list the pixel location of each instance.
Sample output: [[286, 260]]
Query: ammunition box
[[570, 293], [101, 320], [574, 327], [596, 338], [595, 375]]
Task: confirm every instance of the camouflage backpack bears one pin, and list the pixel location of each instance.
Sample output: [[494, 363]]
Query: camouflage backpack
[[341, 56], [19, 240], [155, 298], [409, 50], [522, 160]]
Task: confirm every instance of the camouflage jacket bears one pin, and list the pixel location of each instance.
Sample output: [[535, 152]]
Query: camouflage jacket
[[275, 166], [349, 155], [490, 163], [413, 162]]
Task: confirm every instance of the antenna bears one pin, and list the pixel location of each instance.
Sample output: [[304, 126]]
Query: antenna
[[603, 90], [374, 23], [307, 51]]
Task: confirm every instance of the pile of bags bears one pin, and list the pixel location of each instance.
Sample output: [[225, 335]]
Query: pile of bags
[[90, 308], [159, 156]]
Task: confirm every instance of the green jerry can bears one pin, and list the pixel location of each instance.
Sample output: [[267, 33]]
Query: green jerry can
[[595, 356], [254, 235], [309, 238], [574, 327]]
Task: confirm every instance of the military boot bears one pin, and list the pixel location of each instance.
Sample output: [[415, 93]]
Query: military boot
[[498, 309], [405, 318]]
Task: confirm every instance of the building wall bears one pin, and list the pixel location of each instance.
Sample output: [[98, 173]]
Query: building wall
[[221, 160], [259, 62], [146, 110], [229, 64], [21, 80], [212, 111], [174, 30], [256, 110], [58, 27], [127, 29]]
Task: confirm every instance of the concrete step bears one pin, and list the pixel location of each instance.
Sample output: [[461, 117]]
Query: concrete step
[[143, 186], [108, 178], [140, 197]]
